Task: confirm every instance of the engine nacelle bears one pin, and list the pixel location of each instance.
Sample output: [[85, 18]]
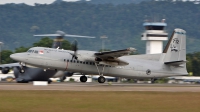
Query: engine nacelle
[[68, 74], [91, 59], [109, 63], [5, 70]]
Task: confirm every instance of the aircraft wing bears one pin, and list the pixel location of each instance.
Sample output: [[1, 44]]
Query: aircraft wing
[[111, 57]]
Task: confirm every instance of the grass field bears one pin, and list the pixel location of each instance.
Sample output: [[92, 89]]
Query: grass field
[[70, 101]]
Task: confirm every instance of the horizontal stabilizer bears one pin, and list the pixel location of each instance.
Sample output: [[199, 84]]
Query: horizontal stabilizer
[[176, 63]]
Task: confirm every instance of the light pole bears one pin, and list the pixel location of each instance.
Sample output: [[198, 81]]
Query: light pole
[[1, 43], [103, 37]]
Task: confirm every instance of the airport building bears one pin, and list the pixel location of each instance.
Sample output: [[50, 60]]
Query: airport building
[[154, 35]]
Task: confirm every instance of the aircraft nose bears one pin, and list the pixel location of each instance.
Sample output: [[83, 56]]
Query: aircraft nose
[[16, 57]]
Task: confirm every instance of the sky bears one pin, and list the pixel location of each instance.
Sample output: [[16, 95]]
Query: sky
[[30, 2]]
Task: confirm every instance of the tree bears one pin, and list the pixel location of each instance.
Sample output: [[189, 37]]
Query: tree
[[21, 49], [5, 57], [44, 42], [66, 45]]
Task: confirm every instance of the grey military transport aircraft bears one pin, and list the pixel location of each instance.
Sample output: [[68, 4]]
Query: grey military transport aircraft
[[172, 62], [38, 74]]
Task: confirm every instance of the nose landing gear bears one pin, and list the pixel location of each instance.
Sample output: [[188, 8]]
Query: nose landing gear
[[21, 68]]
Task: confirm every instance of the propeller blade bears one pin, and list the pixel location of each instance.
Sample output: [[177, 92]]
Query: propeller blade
[[48, 35], [74, 48], [62, 34]]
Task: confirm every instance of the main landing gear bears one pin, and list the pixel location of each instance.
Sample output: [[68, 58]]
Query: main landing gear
[[101, 78], [153, 80]]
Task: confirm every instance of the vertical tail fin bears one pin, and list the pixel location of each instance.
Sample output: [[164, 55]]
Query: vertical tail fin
[[175, 50]]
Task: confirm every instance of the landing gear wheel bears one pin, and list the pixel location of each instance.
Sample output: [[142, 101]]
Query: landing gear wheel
[[83, 78], [101, 79], [153, 80], [62, 79], [49, 81], [21, 70]]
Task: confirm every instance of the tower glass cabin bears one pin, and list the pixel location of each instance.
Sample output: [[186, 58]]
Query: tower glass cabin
[[154, 35]]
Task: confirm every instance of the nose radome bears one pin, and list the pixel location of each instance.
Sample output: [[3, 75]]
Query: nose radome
[[16, 57], [12, 56]]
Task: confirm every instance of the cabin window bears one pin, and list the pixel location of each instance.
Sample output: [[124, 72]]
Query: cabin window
[[70, 60], [36, 52], [74, 61], [86, 62], [77, 61], [81, 62]]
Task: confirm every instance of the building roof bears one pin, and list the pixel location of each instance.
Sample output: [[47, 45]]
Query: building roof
[[154, 24]]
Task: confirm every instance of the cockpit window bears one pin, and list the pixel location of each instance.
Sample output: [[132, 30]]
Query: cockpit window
[[29, 51]]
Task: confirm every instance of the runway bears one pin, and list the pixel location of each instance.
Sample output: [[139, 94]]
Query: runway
[[102, 87]]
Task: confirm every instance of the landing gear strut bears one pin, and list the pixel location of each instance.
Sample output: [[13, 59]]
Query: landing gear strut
[[101, 78], [21, 69], [83, 78]]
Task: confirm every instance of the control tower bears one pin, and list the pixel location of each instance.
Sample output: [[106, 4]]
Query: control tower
[[154, 35]]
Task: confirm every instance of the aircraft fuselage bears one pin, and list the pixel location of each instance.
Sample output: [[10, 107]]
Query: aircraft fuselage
[[57, 59]]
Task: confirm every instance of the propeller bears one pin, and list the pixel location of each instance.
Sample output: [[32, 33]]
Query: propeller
[[62, 34], [74, 48]]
